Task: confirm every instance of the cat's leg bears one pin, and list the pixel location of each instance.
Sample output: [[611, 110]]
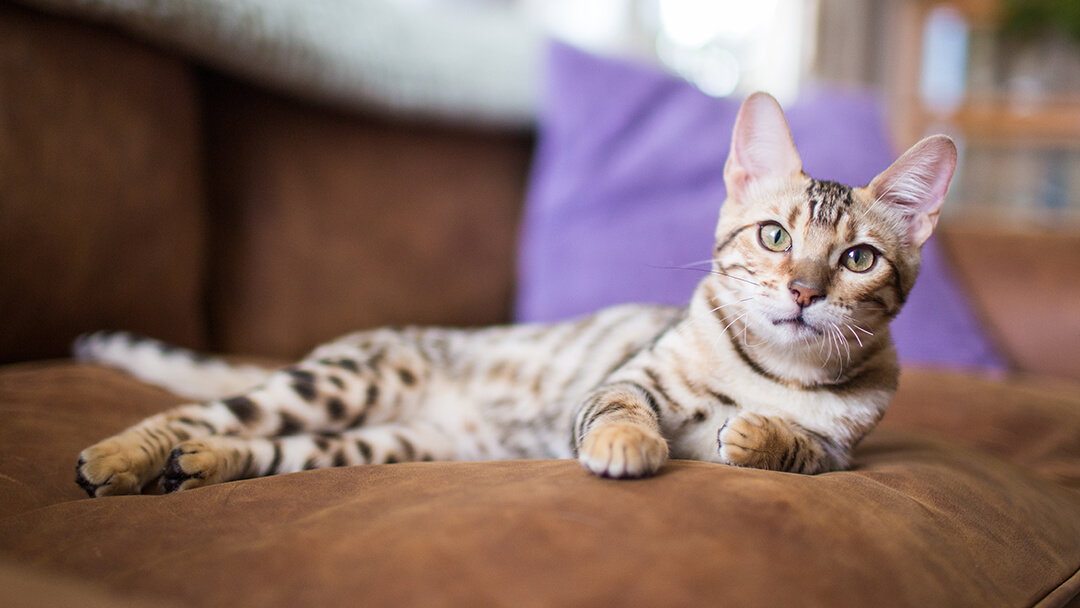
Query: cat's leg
[[617, 432], [768, 442], [128, 461], [217, 459], [341, 386]]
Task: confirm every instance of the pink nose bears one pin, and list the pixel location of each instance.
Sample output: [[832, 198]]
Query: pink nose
[[804, 294]]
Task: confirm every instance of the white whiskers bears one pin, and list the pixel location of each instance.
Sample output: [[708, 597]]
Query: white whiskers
[[857, 339], [865, 331], [710, 311], [691, 265], [723, 332]]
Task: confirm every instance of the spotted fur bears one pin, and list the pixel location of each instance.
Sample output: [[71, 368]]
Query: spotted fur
[[782, 360]]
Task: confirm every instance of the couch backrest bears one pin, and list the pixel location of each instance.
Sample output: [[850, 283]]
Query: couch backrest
[[1024, 279], [102, 218], [139, 192]]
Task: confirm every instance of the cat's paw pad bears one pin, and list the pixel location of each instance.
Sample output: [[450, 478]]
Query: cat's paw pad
[[192, 464], [753, 440], [111, 468], [623, 451]]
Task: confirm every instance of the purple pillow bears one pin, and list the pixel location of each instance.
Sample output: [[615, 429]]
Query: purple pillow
[[627, 184]]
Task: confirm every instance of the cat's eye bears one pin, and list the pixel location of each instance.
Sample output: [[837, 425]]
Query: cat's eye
[[859, 259], [773, 237]]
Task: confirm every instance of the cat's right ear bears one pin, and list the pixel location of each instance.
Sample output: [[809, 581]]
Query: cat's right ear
[[761, 146]]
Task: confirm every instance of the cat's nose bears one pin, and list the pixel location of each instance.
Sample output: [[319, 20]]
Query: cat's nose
[[804, 294]]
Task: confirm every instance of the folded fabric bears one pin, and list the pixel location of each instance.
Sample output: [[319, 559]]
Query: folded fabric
[[478, 66]]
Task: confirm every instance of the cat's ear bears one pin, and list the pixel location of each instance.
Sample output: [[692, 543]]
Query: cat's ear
[[761, 146], [917, 182]]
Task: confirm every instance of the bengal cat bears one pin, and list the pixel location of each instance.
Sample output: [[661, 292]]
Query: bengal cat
[[782, 359]]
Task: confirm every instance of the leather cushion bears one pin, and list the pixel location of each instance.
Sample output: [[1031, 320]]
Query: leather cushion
[[966, 496]]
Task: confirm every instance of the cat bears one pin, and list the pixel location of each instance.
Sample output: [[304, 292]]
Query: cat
[[782, 360]]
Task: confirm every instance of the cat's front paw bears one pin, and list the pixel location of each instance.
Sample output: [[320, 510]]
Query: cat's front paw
[[753, 440], [623, 450], [112, 467], [193, 464]]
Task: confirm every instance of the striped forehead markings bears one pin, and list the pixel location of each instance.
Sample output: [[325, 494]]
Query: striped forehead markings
[[828, 201]]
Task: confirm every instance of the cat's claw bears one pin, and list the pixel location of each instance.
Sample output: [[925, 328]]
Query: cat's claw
[[623, 451]]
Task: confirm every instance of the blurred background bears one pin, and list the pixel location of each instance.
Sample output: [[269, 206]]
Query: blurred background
[[1001, 76], [258, 176]]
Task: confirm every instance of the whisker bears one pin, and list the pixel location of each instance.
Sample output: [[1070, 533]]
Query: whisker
[[731, 276], [705, 270], [854, 334], [698, 263], [865, 331], [709, 312], [687, 267], [844, 341], [827, 344], [834, 334], [734, 321], [724, 332], [745, 334]]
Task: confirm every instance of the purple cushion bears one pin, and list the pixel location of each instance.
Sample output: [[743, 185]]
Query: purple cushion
[[628, 181]]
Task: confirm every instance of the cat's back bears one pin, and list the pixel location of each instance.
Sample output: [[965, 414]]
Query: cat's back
[[557, 357]]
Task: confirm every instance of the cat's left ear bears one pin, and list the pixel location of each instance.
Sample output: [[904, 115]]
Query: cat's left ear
[[916, 184]]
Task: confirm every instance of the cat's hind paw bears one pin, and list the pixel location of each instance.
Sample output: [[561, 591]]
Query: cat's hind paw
[[623, 450]]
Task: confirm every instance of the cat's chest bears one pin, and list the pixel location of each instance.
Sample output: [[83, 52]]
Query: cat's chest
[[705, 391]]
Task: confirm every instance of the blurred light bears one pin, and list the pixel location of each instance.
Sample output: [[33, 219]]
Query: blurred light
[[594, 24], [713, 69], [695, 23], [720, 75]]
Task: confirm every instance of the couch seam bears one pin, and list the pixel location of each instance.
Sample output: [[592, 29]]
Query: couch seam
[[1062, 594]]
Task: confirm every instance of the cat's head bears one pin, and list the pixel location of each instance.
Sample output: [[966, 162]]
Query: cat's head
[[814, 261]]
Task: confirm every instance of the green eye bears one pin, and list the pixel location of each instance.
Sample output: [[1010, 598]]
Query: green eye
[[774, 238], [859, 259]]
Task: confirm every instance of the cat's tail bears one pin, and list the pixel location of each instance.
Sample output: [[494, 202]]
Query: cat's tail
[[176, 369]]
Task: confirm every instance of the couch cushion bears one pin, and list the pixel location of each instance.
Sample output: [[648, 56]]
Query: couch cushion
[[628, 182], [966, 496], [50, 412], [921, 523]]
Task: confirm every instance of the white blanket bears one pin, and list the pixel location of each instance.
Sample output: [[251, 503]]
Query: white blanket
[[471, 65]]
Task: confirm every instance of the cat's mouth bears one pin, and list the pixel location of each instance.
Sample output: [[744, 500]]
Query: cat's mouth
[[798, 323]]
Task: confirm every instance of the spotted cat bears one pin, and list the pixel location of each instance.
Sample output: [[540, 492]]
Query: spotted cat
[[782, 360]]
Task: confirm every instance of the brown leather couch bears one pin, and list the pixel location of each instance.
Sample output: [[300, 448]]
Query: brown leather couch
[[140, 191]]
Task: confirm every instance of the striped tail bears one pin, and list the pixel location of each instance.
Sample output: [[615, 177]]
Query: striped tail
[[178, 370]]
